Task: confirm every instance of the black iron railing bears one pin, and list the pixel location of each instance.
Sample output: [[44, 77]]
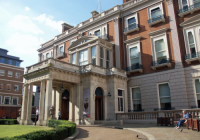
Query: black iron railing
[[165, 108], [161, 61], [140, 110], [156, 19], [193, 55], [134, 67], [131, 27], [189, 8]]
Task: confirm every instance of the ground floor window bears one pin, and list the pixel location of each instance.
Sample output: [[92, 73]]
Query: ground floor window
[[6, 100], [197, 85], [0, 99], [164, 95], [15, 101], [120, 101], [136, 99]]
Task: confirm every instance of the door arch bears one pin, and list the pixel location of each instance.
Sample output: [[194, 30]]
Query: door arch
[[65, 105], [99, 110]]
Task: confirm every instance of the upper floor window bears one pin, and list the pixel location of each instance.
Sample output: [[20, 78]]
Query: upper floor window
[[10, 62], [10, 73], [160, 49], [101, 56], [0, 99], [18, 64], [17, 75], [74, 58], [83, 57], [134, 56], [97, 33], [2, 72], [155, 12], [191, 43], [14, 100], [2, 60], [165, 97], [136, 99], [197, 86], [47, 55], [42, 57], [61, 49], [8, 87], [131, 22], [6, 100], [120, 101], [94, 55], [16, 87], [184, 4], [107, 58], [1, 86]]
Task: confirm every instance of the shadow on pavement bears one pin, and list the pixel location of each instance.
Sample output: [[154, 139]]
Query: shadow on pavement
[[82, 134]]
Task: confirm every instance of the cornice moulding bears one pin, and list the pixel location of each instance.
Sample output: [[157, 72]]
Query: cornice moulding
[[158, 31], [133, 39]]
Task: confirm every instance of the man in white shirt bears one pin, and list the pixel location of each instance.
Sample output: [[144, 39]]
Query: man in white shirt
[[37, 114], [59, 114]]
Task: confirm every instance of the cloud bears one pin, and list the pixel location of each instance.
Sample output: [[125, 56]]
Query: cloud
[[27, 8], [24, 44], [50, 22], [24, 24]]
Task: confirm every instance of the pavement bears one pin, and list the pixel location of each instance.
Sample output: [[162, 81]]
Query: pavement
[[130, 131]]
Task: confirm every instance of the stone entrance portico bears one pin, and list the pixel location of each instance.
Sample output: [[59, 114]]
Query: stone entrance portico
[[52, 74]]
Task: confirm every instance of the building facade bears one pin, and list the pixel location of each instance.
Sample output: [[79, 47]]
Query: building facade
[[11, 84], [141, 56]]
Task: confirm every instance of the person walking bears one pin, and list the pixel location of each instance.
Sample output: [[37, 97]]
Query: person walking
[[37, 114], [59, 114]]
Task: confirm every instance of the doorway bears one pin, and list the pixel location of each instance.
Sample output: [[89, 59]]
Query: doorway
[[65, 105], [99, 104]]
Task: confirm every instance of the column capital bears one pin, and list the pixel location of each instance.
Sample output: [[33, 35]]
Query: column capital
[[169, 2]]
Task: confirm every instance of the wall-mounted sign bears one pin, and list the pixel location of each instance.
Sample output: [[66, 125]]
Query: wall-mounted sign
[[86, 103]]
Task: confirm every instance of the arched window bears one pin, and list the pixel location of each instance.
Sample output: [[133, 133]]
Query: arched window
[[47, 55], [98, 92], [65, 94]]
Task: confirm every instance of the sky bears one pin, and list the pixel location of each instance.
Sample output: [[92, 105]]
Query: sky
[[26, 24]]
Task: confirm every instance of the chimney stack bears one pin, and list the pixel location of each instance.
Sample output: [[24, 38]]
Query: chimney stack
[[66, 27], [94, 13], [124, 1]]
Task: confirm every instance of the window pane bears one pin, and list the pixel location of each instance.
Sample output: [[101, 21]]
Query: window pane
[[136, 102], [164, 90], [198, 96], [81, 56], [74, 58], [94, 61], [17, 75], [7, 100], [2, 60], [101, 52], [155, 12], [2, 72], [85, 55], [160, 45], [61, 49], [134, 52], [118, 104], [0, 100], [197, 85], [10, 62], [101, 62], [184, 2], [121, 103], [165, 100], [18, 64], [94, 52], [190, 37], [47, 55], [136, 93], [161, 54], [119, 92], [1, 86], [134, 61], [107, 55], [14, 101], [107, 64], [97, 33], [131, 21]]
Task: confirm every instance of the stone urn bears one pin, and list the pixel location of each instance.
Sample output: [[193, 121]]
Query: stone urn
[[52, 111]]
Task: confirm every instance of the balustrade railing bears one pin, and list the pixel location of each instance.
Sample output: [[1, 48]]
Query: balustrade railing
[[105, 36], [190, 7], [60, 54], [159, 62], [131, 27], [156, 19], [134, 67]]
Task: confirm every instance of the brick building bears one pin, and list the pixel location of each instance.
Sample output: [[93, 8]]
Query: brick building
[[11, 84], [141, 56]]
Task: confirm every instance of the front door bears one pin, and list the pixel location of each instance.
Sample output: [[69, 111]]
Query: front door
[[99, 108], [65, 105]]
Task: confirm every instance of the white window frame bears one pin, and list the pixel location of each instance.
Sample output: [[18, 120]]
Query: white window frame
[[196, 78], [118, 100], [10, 87], [133, 45], [18, 88], [2, 86], [158, 93], [83, 57], [95, 56], [181, 4], [97, 30], [1, 99], [48, 56], [3, 72], [16, 98], [16, 75], [73, 57], [129, 17], [154, 39], [5, 99], [132, 96], [11, 74], [160, 5], [187, 40]]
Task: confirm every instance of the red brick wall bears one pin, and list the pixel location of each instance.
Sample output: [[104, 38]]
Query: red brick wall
[[10, 112], [180, 20], [145, 42], [66, 58]]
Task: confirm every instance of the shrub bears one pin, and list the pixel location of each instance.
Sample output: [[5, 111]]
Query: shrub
[[8, 121], [62, 129]]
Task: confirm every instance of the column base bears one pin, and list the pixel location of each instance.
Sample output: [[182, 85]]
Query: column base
[[28, 122], [39, 123], [21, 122], [45, 123]]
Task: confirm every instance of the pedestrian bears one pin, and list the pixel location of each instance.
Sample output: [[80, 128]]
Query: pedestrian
[[182, 120], [37, 114], [59, 114]]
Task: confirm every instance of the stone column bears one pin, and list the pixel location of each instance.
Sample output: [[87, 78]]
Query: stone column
[[48, 101], [71, 104], [89, 55], [54, 98], [78, 104], [111, 58], [24, 104], [104, 57], [77, 58], [54, 51], [58, 102], [29, 106], [98, 55], [70, 58], [41, 105]]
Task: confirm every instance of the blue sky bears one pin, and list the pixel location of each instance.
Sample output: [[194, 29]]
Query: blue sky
[[25, 24]]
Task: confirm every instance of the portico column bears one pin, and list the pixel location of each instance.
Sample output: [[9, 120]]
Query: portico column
[[48, 100], [89, 55], [29, 105], [58, 102], [24, 104], [111, 58], [104, 57], [54, 98], [98, 55], [71, 102], [77, 58], [41, 105], [77, 113]]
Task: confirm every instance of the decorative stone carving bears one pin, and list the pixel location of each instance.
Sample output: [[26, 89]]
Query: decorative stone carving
[[52, 111]]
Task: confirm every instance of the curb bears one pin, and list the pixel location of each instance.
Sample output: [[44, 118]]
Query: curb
[[73, 136]]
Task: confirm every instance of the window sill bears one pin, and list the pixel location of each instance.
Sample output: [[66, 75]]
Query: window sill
[[161, 65], [136, 70], [156, 22], [130, 31], [188, 61], [60, 55]]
